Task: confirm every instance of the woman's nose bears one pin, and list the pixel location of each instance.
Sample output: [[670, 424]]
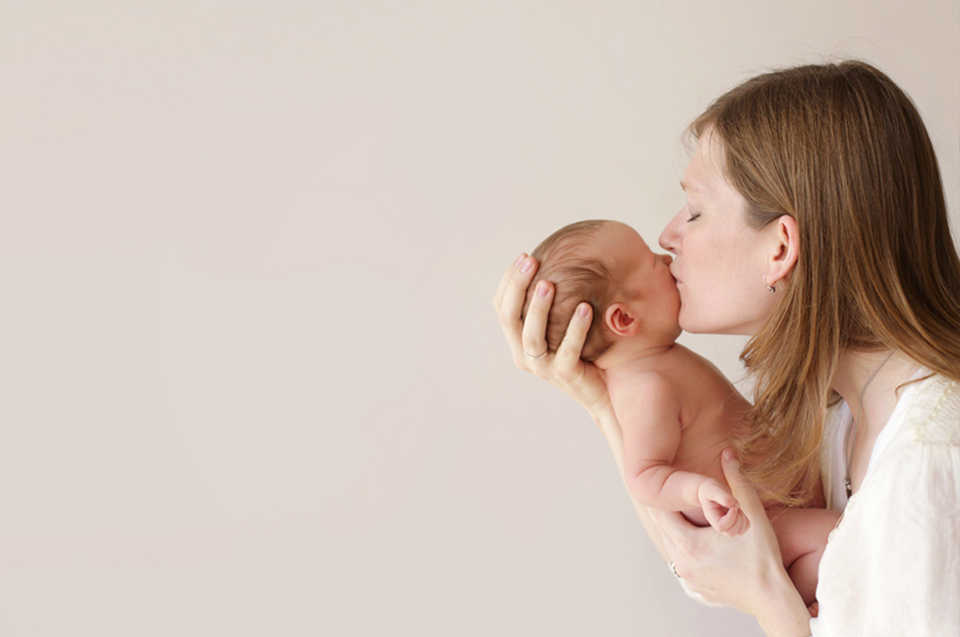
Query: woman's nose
[[670, 237]]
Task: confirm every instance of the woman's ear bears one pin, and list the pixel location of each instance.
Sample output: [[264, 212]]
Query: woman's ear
[[620, 320], [783, 258]]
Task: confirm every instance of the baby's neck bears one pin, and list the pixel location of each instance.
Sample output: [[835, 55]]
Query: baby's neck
[[631, 350]]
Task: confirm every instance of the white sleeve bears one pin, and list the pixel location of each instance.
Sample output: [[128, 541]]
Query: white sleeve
[[892, 566]]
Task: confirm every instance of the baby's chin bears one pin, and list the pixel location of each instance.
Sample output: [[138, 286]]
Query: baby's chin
[[676, 320], [680, 329]]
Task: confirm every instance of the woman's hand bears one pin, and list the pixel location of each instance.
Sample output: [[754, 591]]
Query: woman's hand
[[744, 572], [721, 509], [581, 381]]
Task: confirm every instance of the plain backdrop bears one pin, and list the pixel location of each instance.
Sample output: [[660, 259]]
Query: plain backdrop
[[252, 383]]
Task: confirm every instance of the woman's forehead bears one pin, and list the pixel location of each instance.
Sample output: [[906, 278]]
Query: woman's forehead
[[704, 173]]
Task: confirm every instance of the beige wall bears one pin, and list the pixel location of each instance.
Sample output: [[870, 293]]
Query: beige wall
[[251, 380]]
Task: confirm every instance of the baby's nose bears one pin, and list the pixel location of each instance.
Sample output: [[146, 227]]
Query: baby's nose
[[666, 258]]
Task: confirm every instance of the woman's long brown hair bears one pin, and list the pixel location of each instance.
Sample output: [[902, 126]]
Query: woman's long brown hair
[[841, 149]]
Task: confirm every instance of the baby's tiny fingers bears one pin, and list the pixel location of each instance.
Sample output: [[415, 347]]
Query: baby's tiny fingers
[[738, 523], [729, 502]]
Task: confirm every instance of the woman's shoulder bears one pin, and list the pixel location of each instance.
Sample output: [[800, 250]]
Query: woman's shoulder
[[922, 449], [933, 413]]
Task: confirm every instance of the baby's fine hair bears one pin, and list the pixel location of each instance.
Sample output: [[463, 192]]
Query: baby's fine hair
[[576, 277]]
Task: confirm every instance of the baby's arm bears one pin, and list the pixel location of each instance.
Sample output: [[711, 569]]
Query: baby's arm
[[650, 417]]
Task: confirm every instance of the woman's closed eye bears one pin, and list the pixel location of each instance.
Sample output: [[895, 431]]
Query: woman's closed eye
[[693, 216]]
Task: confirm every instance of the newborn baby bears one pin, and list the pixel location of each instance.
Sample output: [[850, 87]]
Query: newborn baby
[[676, 410]]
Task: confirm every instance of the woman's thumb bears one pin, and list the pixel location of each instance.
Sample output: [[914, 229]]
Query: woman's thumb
[[742, 489]]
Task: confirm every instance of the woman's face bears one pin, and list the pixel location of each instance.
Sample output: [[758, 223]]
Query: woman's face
[[719, 260]]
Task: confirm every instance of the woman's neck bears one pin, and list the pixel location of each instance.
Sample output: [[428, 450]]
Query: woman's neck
[[872, 377], [854, 372]]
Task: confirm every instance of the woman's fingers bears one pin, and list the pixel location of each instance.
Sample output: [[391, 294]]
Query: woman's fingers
[[568, 353], [526, 336], [742, 489], [511, 304], [680, 541], [535, 322], [509, 300], [736, 568], [583, 381], [504, 280], [677, 531]]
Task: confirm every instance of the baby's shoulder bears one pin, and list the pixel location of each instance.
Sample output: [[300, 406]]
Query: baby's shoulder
[[645, 397], [691, 360], [644, 384]]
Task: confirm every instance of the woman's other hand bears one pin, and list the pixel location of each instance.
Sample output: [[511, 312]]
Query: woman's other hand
[[581, 381], [744, 572]]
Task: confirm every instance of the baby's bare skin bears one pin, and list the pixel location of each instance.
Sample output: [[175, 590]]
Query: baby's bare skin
[[678, 413]]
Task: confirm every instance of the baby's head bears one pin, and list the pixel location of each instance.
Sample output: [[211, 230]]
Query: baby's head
[[608, 265]]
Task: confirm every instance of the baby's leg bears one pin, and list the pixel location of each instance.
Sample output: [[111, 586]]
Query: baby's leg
[[802, 534]]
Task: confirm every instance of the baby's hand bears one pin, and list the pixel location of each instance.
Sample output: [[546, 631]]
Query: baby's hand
[[721, 509]]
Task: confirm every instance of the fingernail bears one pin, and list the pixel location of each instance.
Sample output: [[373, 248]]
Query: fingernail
[[526, 265], [729, 454], [519, 259], [583, 310], [541, 289]]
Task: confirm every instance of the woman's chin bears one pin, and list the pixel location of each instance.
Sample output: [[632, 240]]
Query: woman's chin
[[691, 324]]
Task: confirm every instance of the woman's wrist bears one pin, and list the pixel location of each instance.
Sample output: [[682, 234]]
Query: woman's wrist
[[783, 613], [605, 418], [602, 413]]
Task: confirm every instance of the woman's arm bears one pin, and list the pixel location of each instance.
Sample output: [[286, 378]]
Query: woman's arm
[[744, 572], [564, 369]]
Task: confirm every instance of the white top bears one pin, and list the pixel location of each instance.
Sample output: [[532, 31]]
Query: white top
[[892, 565]]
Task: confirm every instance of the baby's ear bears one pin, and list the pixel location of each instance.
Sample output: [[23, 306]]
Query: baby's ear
[[620, 320]]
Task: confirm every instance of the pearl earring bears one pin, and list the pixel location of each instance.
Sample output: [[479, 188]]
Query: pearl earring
[[769, 287]]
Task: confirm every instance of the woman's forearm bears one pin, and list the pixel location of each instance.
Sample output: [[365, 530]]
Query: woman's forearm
[[606, 419], [783, 613]]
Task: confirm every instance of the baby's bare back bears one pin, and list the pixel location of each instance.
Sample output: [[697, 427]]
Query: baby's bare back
[[711, 410]]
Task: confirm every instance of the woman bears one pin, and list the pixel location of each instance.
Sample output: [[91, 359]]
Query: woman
[[815, 222]]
